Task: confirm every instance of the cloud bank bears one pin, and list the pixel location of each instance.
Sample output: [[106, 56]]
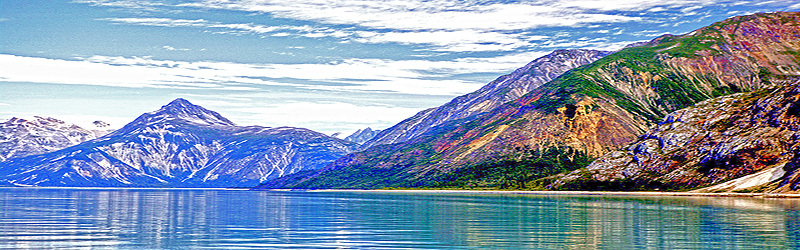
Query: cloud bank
[[350, 75], [443, 25]]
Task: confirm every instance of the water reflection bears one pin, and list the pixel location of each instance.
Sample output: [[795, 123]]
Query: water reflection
[[224, 219]]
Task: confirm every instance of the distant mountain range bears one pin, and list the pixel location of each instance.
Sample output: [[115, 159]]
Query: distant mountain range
[[712, 110], [179, 145], [579, 116], [23, 137]]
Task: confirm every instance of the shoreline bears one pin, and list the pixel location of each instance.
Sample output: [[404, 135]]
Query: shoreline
[[455, 191], [551, 193]]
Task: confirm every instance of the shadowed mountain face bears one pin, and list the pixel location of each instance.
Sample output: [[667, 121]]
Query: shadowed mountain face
[[23, 137], [581, 115], [179, 145]]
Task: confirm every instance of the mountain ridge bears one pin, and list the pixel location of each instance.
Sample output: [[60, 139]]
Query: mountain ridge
[[501, 90], [179, 145], [583, 114]]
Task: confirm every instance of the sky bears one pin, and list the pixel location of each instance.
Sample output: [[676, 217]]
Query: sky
[[327, 65]]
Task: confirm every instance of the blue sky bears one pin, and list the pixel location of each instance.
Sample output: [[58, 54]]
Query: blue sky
[[327, 65]]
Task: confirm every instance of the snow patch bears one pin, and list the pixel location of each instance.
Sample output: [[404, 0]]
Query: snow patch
[[753, 180]]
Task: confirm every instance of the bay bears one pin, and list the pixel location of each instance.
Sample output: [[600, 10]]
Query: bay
[[41, 218]]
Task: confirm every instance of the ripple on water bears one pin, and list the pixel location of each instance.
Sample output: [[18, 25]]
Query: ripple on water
[[235, 219]]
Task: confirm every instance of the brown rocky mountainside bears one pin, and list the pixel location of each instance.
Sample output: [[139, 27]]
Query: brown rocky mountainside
[[581, 115], [741, 142], [494, 94]]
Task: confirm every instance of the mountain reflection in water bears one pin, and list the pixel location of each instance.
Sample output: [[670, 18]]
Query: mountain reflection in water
[[33, 218]]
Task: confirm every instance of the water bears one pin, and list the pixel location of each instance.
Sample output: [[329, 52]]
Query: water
[[235, 219]]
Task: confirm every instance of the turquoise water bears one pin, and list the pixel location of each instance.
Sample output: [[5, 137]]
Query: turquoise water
[[236, 219]]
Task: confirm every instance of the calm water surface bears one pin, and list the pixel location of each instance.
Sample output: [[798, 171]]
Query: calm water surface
[[233, 219]]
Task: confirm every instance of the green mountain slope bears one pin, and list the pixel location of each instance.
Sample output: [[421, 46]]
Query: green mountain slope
[[581, 115]]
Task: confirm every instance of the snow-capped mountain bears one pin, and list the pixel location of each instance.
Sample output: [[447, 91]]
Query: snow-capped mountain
[[362, 135], [23, 137], [179, 145]]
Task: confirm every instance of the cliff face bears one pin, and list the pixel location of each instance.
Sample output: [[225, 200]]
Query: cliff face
[[583, 114], [742, 142], [494, 94]]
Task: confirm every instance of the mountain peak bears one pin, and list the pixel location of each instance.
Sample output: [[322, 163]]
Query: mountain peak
[[362, 135], [179, 102], [494, 94], [181, 109], [101, 124]]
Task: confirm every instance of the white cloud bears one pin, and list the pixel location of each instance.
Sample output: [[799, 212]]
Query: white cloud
[[657, 9], [459, 41], [598, 44], [691, 9], [332, 116], [765, 2], [423, 15], [630, 5], [117, 72], [455, 26], [163, 22], [137, 5], [360, 76], [445, 25], [647, 33], [170, 48], [400, 76], [200, 23], [308, 110]]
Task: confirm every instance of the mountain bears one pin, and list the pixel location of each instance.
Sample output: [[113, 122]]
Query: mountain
[[23, 137], [179, 145], [502, 90], [362, 135], [742, 142], [581, 115]]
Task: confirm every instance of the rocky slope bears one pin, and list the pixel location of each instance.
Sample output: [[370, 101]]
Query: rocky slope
[[742, 142], [502, 90], [23, 137], [179, 145], [581, 115], [362, 135]]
